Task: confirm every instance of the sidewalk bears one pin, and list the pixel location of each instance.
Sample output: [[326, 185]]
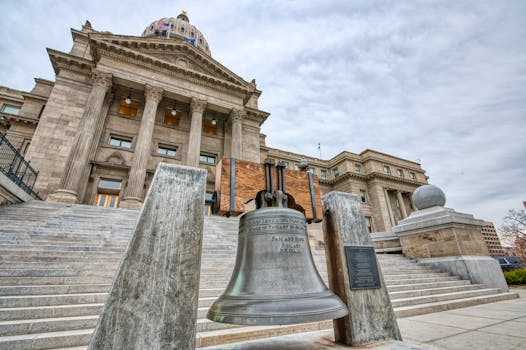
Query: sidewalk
[[500, 325]]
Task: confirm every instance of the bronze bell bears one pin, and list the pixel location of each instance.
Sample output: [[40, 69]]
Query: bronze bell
[[275, 281]]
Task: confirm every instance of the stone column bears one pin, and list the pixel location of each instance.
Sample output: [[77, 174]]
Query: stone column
[[389, 209], [236, 118], [402, 205], [143, 147], [79, 156], [197, 108]]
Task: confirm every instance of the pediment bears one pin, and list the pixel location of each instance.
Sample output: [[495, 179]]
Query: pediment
[[174, 52]]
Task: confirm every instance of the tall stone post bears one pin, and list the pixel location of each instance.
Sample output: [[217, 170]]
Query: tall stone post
[[236, 119], [402, 205], [79, 157], [355, 275], [132, 198], [197, 108], [153, 301]]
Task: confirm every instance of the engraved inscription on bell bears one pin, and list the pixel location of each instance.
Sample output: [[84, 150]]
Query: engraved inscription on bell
[[275, 280]]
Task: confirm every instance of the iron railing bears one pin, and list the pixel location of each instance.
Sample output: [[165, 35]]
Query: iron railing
[[15, 167]]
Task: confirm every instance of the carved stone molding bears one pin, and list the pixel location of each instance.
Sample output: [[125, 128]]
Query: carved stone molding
[[153, 93], [101, 79], [197, 105], [236, 116]]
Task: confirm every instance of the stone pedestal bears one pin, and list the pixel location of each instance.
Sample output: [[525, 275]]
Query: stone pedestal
[[371, 317], [439, 232], [448, 240], [153, 301]]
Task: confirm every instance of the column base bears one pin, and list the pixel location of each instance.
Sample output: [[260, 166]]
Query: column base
[[132, 203], [63, 196]]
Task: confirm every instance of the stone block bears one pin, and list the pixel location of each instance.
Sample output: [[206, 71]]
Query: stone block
[[154, 297], [478, 269], [371, 317]]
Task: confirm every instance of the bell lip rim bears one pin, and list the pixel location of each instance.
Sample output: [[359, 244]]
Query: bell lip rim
[[297, 318]]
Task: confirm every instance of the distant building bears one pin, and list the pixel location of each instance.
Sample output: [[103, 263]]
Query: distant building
[[492, 239], [121, 104]]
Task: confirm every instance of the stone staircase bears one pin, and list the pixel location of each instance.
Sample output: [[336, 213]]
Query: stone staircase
[[57, 263]]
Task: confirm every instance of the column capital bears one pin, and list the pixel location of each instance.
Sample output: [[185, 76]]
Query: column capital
[[153, 93], [197, 105], [236, 115], [101, 78]]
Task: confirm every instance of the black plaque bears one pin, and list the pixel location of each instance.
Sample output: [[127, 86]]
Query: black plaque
[[363, 271]]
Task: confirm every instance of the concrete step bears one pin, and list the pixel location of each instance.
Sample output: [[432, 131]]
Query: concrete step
[[53, 289], [431, 291], [22, 313], [234, 335], [51, 299], [48, 340], [45, 325], [426, 285], [396, 277], [404, 281], [421, 309], [434, 298]]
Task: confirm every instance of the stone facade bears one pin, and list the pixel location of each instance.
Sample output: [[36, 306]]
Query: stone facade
[[492, 239], [97, 133]]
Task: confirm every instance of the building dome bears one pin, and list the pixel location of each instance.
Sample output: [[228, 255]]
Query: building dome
[[179, 27], [428, 196]]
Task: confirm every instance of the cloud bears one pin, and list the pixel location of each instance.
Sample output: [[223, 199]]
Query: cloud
[[440, 81]]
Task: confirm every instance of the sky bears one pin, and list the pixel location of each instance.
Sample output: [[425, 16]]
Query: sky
[[438, 82]]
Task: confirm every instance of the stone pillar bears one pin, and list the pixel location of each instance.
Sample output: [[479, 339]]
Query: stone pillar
[[143, 147], [236, 119], [197, 108], [389, 209], [355, 275], [79, 156], [153, 301], [402, 205]]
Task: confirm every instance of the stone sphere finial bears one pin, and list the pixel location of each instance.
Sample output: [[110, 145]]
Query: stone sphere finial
[[428, 196]]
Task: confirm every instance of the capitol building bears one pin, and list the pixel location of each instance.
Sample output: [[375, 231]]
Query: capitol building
[[121, 104]]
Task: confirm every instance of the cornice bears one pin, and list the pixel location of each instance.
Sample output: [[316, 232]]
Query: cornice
[[101, 48], [61, 60], [256, 115], [372, 175], [34, 96], [18, 118]]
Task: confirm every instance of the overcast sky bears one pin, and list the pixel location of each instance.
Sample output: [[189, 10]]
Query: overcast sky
[[442, 82]]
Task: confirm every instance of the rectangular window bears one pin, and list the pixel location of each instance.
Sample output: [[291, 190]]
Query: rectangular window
[[363, 196], [358, 168], [400, 173], [369, 223], [387, 170], [323, 174], [210, 126], [167, 150], [412, 176], [107, 200], [208, 159], [311, 170], [120, 141], [296, 167], [335, 173], [114, 185], [128, 109], [171, 120], [11, 109]]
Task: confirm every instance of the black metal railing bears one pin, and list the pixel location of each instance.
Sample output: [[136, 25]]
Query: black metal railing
[[15, 167]]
